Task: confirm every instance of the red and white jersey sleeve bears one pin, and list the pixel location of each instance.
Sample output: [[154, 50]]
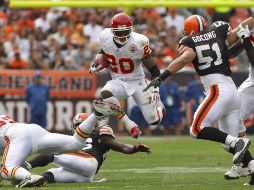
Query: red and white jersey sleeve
[[125, 61]]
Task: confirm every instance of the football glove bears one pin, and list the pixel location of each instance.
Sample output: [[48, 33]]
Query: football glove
[[142, 148], [243, 32], [155, 83], [95, 68]]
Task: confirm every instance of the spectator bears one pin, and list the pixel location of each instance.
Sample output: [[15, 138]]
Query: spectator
[[37, 96], [42, 23], [17, 63], [174, 19], [92, 29], [194, 95], [170, 97], [222, 13], [81, 56], [3, 56], [55, 28], [78, 36]]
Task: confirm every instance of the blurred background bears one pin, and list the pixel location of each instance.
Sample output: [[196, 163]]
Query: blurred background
[[60, 43]]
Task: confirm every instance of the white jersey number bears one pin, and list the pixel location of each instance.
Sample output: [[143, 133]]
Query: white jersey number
[[206, 61], [88, 144], [124, 65], [5, 120]]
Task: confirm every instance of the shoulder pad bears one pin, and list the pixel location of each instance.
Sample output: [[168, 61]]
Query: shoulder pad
[[182, 39], [104, 34], [106, 130], [141, 39]]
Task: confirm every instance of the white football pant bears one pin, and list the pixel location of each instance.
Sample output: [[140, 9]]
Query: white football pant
[[122, 89], [74, 168]]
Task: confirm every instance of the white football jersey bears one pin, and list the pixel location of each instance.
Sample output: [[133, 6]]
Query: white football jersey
[[125, 62]]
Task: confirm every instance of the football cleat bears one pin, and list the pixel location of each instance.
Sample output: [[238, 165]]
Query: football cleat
[[32, 181], [107, 109], [240, 148], [236, 172], [135, 132]]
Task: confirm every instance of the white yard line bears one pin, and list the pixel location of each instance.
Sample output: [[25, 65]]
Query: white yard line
[[169, 170]]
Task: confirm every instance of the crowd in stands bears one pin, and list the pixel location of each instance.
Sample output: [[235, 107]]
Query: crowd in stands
[[66, 39]]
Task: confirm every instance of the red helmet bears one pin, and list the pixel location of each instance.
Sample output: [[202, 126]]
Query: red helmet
[[78, 119], [194, 24], [121, 26]]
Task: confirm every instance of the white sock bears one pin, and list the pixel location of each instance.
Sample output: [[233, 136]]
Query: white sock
[[230, 141], [21, 174], [85, 128], [125, 119], [251, 166], [89, 124]]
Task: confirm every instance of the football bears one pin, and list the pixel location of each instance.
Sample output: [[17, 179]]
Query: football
[[102, 61]]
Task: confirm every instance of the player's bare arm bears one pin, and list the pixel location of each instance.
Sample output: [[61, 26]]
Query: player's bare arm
[[232, 36], [235, 49], [244, 42], [151, 66], [187, 57], [123, 148]]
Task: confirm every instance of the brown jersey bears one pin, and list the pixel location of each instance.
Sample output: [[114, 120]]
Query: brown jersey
[[211, 49], [95, 148]]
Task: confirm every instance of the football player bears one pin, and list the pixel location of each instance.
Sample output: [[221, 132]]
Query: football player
[[207, 49], [126, 50], [22, 139], [83, 165], [246, 91]]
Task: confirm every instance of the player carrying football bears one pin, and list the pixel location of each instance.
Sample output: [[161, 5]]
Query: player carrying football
[[207, 49], [126, 51]]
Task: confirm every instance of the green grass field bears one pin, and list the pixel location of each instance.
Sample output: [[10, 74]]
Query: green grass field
[[175, 163]]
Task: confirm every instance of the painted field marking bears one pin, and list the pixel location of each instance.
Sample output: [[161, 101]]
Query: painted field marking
[[169, 170]]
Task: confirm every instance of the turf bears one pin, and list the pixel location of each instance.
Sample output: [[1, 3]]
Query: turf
[[175, 163]]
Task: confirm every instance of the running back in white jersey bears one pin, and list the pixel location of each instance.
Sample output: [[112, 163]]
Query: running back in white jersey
[[125, 61]]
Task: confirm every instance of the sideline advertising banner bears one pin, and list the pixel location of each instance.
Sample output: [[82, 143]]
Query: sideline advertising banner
[[63, 84]]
